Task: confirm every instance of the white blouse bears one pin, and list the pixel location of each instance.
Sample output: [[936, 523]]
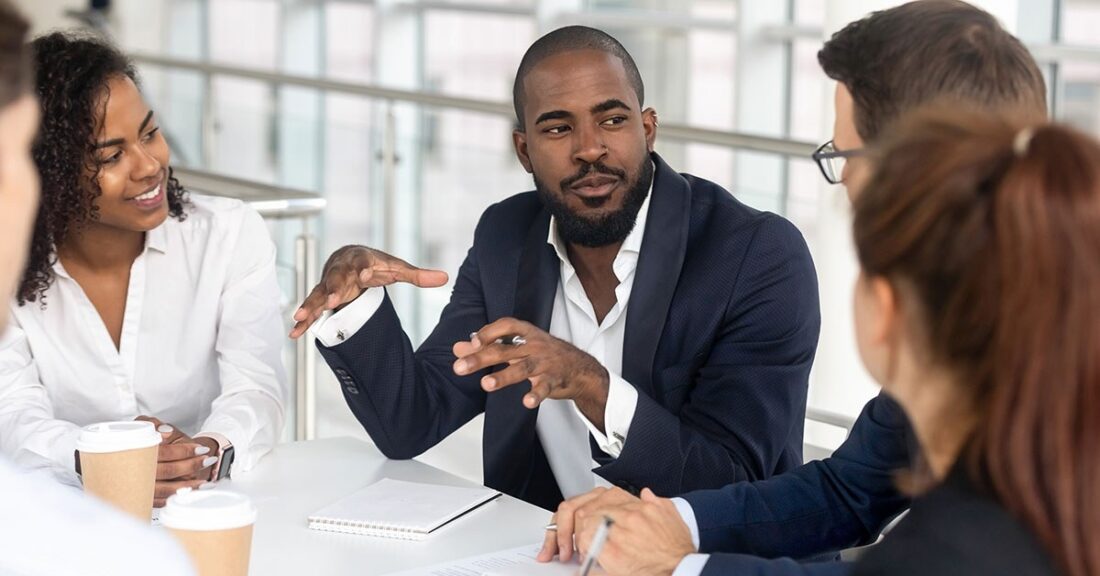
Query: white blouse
[[201, 345]]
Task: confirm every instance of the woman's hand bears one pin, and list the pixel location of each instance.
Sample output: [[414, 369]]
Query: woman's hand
[[182, 461]]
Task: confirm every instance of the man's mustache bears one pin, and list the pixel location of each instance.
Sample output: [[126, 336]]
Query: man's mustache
[[598, 167]]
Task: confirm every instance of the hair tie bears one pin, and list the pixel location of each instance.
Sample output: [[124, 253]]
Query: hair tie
[[1022, 141]]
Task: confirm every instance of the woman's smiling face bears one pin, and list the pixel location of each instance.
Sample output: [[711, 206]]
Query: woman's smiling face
[[132, 157]]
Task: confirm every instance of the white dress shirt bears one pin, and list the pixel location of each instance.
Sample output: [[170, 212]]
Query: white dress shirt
[[49, 529], [201, 345], [562, 428]]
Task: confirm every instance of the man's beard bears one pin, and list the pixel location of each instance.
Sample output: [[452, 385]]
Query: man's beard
[[606, 229]]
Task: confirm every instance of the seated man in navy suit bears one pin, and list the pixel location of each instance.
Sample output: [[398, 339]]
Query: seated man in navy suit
[[885, 65], [622, 324]]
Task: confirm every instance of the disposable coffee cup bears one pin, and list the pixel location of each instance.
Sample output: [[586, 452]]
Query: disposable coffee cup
[[215, 527], [118, 464]]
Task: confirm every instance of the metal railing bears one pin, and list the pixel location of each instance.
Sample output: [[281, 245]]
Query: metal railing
[[279, 203], [831, 418], [674, 131]]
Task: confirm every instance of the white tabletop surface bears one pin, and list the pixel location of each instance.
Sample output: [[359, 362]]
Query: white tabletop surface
[[300, 478]]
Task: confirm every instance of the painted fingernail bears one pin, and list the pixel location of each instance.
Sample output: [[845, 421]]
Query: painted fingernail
[[460, 367], [200, 450], [164, 429], [207, 486], [209, 461]]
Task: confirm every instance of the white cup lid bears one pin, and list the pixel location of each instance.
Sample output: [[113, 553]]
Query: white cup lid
[[117, 436], [207, 510]]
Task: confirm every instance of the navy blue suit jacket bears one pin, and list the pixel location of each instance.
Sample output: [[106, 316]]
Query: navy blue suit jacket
[[845, 500], [721, 330]]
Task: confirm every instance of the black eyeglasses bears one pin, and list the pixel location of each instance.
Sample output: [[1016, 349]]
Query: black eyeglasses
[[831, 161]]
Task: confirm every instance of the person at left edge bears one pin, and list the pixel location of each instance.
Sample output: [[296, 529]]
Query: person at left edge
[[137, 300], [668, 329]]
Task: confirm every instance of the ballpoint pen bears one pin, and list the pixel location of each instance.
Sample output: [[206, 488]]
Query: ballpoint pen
[[596, 547], [512, 340]]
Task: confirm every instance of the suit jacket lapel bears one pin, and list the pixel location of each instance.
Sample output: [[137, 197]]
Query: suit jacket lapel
[[539, 269], [662, 257], [513, 427]]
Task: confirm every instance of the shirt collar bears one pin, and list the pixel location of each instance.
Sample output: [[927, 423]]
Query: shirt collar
[[155, 239], [632, 244]]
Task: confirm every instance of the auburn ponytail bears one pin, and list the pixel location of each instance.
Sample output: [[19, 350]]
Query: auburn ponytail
[[997, 227]]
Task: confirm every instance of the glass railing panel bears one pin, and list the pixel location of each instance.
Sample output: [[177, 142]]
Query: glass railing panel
[[244, 32], [243, 141], [349, 41], [448, 53]]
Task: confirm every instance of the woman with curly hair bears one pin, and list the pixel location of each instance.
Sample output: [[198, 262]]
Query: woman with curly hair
[[136, 302]]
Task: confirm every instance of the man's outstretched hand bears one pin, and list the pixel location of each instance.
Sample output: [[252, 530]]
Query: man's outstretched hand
[[351, 270]]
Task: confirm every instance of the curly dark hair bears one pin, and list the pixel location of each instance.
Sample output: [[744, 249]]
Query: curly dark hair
[[73, 70]]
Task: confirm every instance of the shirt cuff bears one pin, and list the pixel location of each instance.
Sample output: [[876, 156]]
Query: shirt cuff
[[691, 565], [333, 329], [618, 413], [687, 514]]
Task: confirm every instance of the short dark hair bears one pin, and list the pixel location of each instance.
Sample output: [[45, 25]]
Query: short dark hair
[[898, 59], [15, 68], [568, 39]]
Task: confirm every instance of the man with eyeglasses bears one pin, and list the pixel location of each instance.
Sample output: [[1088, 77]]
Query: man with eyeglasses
[[885, 65]]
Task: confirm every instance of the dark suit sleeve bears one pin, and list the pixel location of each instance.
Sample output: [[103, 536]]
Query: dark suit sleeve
[[742, 565], [409, 401], [747, 400], [839, 502]]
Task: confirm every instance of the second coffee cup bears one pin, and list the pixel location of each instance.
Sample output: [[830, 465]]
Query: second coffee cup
[[215, 527]]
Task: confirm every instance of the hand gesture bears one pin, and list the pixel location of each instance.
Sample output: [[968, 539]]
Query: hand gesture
[[556, 368], [351, 270]]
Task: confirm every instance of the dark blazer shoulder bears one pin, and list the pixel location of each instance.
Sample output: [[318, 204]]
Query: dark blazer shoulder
[[717, 212], [513, 215], [956, 530], [754, 246]]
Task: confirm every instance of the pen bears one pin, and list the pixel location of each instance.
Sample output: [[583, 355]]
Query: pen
[[597, 545], [512, 340]]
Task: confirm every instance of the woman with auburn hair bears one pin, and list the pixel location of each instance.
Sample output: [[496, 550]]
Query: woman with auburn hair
[[978, 309], [137, 301]]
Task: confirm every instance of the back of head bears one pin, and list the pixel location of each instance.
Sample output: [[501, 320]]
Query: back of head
[[15, 70], [925, 51], [995, 231], [567, 39]]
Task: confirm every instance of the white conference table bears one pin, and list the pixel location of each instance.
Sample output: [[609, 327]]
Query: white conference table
[[299, 478]]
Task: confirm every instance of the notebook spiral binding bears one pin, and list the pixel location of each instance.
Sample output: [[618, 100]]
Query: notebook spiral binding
[[365, 528]]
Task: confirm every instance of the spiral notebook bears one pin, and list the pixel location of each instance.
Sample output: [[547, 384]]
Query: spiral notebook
[[398, 509]]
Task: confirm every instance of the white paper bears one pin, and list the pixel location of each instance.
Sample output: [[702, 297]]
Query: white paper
[[514, 562]]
